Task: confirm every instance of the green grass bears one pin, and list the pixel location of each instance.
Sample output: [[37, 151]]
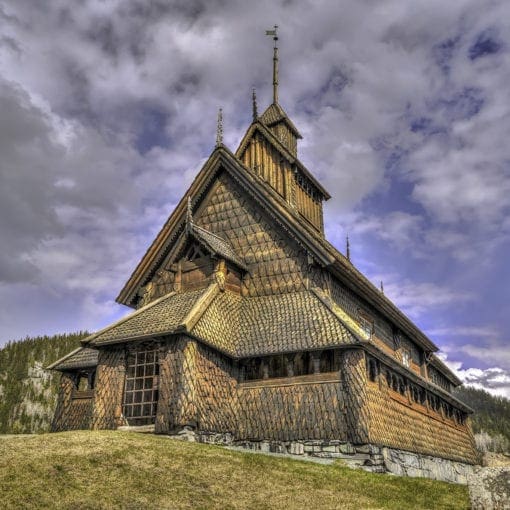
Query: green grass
[[93, 470]]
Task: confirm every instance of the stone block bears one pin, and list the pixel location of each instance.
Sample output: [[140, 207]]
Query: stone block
[[296, 449], [347, 448], [363, 448], [264, 446], [489, 488]]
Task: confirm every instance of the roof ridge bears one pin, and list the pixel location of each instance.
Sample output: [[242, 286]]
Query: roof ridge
[[200, 306], [201, 234]]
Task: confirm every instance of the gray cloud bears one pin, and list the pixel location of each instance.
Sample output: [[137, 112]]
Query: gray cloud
[[108, 111]]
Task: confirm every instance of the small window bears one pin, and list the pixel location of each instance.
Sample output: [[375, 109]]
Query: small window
[[85, 380], [406, 358], [366, 322], [373, 369]]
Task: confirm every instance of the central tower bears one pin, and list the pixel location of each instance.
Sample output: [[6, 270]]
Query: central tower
[[269, 149]]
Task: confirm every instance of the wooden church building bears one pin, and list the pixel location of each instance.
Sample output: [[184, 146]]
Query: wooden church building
[[250, 328]]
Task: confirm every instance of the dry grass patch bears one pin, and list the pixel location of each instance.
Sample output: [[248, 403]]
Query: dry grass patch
[[100, 470]]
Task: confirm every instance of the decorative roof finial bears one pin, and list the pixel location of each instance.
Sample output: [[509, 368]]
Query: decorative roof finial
[[382, 287], [347, 249], [274, 33], [189, 216], [219, 129], [254, 105]]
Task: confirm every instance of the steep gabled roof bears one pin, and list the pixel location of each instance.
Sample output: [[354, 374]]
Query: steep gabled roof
[[220, 160], [276, 207], [82, 357], [274, 114]]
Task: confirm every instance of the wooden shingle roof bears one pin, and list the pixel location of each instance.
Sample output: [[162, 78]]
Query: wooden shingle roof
[[165, 315], [274, 114], [83, 357], [237, 326]]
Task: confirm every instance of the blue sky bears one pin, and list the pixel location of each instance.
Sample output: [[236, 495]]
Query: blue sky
[[108, 111]]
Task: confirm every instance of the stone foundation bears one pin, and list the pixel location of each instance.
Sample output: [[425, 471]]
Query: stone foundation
[[369, 457]]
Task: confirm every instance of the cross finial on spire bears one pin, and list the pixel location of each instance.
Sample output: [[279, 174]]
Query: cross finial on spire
[[189, 216], [274, 33], [254, 105], [382, 287], [347, 249], [219, 129]]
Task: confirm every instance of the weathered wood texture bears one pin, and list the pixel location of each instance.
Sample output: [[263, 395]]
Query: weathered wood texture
[[109, 389], [286, 411], [71, 413], [277, 264], [177, 403], [197, 388], [353, 371], [215, 390], [397, 422], [384, 336], [263, 158]]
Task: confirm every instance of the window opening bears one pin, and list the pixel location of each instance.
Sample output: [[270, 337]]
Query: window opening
[[406, 357], [141, 388]]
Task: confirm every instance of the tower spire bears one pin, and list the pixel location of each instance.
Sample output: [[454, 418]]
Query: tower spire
[[254, 105], [219, 129], [347, 249], [274, 33]]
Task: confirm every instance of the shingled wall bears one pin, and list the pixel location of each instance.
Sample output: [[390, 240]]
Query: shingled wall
[[110, 375], [398, 423], [276, 264], [304, 407], [71, 413]]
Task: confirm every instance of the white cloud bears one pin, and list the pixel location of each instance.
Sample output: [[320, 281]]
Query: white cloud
[[417, 299], [495, 380]]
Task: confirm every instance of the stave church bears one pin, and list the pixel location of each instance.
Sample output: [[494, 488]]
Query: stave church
[[249, 328]]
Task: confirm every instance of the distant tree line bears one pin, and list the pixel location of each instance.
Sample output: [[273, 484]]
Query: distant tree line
[[491, 419], [27, 391]]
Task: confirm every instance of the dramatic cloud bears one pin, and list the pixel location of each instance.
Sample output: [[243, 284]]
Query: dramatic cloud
[[495, 380], [109, 108]]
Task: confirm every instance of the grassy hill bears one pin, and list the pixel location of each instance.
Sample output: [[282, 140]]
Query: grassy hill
[[96, 470]]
